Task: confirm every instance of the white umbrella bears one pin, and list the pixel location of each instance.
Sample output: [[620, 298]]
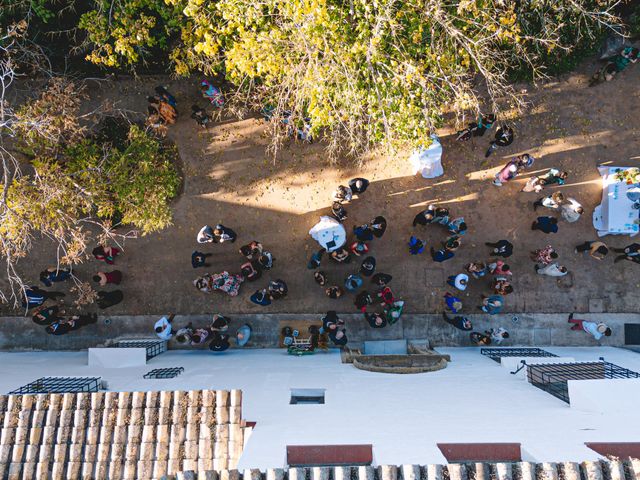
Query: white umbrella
[[329, 233]]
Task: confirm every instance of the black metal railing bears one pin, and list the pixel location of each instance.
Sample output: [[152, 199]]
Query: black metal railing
[[60, 385], [154, 347], [553, 377], [497, 353], [164, 372]]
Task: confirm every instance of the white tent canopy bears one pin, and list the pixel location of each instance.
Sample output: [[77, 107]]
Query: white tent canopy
[[427, 161], [329, 233], [616, 214]]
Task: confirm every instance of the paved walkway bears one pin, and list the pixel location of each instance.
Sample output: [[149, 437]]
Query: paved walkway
[[20, 333]]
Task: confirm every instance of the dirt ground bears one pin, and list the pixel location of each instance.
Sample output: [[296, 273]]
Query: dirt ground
[[229, 179]]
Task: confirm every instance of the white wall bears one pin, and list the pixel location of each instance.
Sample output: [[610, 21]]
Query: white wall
[[473, 400], [610, 396]]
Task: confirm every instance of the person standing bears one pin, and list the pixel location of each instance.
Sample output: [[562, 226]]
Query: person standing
[[492, 305], [597, 250], [224, 234], [368, 266], [378, 226], [596, 330], [630, 252], [375, 320], [219, 342], [460, 322], [545, 224], [163, 327], [206, 235], [381, 279], [199, 259], [104, 278], [552, 270], [243, 334], [571, 211], [358, 185], [501, 248]]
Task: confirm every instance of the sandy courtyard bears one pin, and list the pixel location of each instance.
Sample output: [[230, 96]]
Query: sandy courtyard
[[229, 179]]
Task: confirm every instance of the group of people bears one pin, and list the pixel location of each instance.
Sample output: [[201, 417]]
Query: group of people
[[47, 306], [215, 335], [455, 229]]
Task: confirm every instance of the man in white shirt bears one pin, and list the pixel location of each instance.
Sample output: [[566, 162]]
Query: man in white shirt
[[572, 210], [163, 327], [596, 330]]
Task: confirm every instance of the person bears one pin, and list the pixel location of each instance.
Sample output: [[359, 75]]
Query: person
[[224, 234], [386, 296], [316, 258], [47, 315], [109, 299], [457, 226], [75, 322], [452, 243], [393, 311], [363, 232], [251, 271], [544, 256], [278, 289], [453, 303], [432, 214], [552, 201], [460, 322], [211, 93], [477, 269], [503, 138], [381, 279], [416, 246], [243, 334], [261, 297], [52, 275], [368, 266], [200, 336], [492, 305], [164, 328], [200, 115], [164, 95], [597, 250], [362, 300], [341, 255], [378, 226], [168, 114], [512, 169], [219, 342], [265, 260], [252, 251], [330, 322], [552, 177], [199, 259], [205, 235], [571, 211], [375, 320], [219, 323], [597, 330], [106, 254], [441, 255], [320, 277], [184, 334], [459, 281], [501, 286], [629, 252], [479, 339], [359, 248], [353, 282], [338, 211], [498, 335], [498, 267], [334, 292], [342, 194], [338, 337], [476, 129], [35, 296], [615, 65], [103, 278], [545, 224], [552, 270], [501, 248], [358, 185]]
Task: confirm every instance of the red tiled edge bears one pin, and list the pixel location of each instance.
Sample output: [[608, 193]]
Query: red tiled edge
[[481, 452], [621, 450], [309, 455]]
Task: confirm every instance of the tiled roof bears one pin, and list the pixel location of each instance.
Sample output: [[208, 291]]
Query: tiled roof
[[610, 470], [119, 435]]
